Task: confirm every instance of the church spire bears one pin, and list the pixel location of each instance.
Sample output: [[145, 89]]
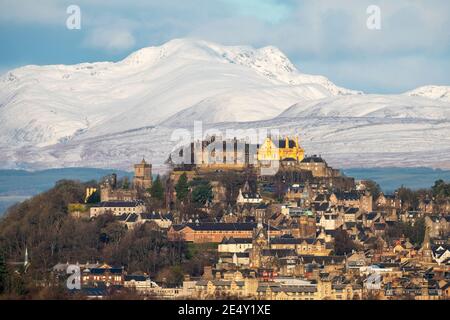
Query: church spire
[[260, 223], [25, 262]]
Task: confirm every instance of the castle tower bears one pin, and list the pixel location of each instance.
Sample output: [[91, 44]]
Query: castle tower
[[142, 175]]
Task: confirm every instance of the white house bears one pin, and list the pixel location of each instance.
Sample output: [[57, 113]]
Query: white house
[[248, 197]]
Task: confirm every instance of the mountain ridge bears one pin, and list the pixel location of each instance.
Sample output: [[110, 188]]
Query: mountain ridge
[[49, 114]]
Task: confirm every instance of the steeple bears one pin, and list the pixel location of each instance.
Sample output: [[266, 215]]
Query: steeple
[[427, 252], [426, 239], [25, 262], [259, 226], [246, 187]]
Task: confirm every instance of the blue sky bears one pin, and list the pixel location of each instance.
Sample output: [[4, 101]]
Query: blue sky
[[320, 37]]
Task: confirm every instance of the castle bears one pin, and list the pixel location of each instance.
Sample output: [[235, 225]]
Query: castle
[[213, 153], [142, 180]]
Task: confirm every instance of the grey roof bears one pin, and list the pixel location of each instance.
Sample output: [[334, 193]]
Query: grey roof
[[134, 277], [279, 253], [132, 217], [352, 211], [120, 204], [347, 195], [207, 226], [232, 240], [292, 240]]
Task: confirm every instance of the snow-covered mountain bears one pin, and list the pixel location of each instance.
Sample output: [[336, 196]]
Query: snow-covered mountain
[[150, 86], [109, 114], [372, 106], [432, 92]]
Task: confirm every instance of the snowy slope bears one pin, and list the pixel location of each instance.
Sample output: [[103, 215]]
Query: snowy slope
[[49, 104], [372, 106], [432, 92], [110, 114]]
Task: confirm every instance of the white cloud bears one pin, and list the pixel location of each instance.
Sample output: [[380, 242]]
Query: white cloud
[[329, 34], [383, 75], [271, 11], [110, 39], [44, 12]]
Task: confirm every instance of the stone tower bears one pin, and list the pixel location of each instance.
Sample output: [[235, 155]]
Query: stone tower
[[259, 243], [142, 175], [426, 251]]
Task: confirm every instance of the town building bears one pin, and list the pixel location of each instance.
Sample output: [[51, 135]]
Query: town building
[[102, 275], [118, 208], [214, 232]]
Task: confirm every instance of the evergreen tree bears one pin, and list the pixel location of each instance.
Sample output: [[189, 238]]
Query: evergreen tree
[[202, 193], [373, 187], [157, 190], [182, 187], [441, 189]]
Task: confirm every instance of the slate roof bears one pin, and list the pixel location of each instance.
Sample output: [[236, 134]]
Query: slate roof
[[232, 240], [291, 240], [132, 218], [138, 278], [93, 292], [371, 215], [347, 195], [321, 198], [280, 253], [287, 289], [352, 211], [211, 226], [151, 216], [122, 218], [380, 226], [322, 259], [321, 206], [120, 204], [104, 270]]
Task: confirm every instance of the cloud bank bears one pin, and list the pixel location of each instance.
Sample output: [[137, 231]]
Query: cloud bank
[[327, 37]]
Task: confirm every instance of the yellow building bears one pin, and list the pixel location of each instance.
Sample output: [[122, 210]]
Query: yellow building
[[287, 149]]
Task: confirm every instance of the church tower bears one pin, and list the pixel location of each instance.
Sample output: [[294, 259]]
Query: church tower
[[142, 175], [259, 243], [426, 251]]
